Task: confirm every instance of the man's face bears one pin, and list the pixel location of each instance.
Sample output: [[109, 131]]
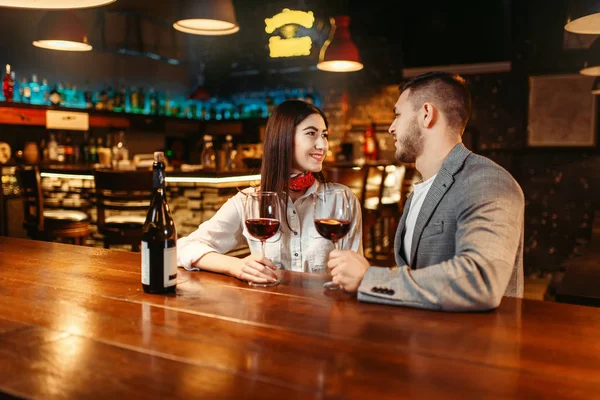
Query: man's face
[[407, 134]]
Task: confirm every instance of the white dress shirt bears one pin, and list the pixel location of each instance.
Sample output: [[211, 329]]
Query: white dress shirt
[[420, 191], [300, 249]]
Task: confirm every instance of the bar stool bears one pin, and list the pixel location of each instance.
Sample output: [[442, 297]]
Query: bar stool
[[42, 224], [122, 201]]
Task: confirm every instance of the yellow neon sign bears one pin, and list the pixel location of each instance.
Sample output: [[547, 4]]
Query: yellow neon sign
[[293, 47], [287, 17]]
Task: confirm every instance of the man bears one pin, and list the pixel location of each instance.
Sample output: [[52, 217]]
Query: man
[[459, 244]]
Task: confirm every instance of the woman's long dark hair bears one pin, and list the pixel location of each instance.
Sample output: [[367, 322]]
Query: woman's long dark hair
[[278, 153]]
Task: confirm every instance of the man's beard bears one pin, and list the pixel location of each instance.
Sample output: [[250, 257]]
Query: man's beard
[[410, 144]]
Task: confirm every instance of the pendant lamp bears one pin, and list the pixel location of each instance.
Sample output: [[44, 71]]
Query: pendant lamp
[[61, 30], [339, 53], [54, 4], [583, 17], [591, 66], [208, 17]]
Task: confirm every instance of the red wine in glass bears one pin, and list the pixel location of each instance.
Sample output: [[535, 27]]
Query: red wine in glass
[[332, 229], [261, 213], [262, 228], [332, 218]]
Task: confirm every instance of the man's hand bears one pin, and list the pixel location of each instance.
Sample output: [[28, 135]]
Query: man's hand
[[347, 269], [254, 268]]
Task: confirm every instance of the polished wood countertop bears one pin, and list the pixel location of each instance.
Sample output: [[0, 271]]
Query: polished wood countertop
[[75, 323]]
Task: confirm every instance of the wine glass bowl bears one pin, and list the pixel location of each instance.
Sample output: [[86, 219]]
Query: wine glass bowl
[[262, 219], [332, 218]]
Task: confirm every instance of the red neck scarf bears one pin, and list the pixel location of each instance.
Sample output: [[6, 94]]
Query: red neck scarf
[[302, 182]]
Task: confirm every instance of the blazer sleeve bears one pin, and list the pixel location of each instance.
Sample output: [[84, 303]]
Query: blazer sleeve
[[489, 226]]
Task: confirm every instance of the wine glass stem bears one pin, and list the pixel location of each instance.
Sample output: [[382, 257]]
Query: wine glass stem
[[262, 249]]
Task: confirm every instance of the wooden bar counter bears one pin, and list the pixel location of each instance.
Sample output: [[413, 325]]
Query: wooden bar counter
[[75, 323]]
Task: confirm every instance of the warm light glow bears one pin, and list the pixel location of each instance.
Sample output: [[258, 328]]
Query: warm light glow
[[590, 24], [340, 66], [287, 17], [173, 179], [227, 179], [66, 176], [54, 4], [591, 71], [279, 47], [208, 27], [62, 45]]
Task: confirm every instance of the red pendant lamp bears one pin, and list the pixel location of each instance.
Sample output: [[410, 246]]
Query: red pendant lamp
[[339, 53]]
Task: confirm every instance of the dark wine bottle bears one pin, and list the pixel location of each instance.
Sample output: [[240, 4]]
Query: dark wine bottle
[[159, 252]]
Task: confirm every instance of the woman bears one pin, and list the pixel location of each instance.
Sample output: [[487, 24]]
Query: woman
[[296, 143]]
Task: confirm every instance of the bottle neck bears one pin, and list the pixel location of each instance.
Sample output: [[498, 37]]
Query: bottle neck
[[158, 181]]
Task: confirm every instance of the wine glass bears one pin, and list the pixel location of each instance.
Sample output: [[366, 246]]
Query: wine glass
[[262, 220], [332, 218]]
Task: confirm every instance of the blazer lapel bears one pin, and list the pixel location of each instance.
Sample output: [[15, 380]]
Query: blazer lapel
[[398, 242], [444, 179]]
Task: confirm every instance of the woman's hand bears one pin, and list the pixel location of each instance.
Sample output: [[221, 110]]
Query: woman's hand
[[254, 268]]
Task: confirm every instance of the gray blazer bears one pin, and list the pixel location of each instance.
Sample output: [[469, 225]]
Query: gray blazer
[[467, 247]]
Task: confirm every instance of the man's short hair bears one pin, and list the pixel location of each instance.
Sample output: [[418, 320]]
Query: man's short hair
[[446, 91]]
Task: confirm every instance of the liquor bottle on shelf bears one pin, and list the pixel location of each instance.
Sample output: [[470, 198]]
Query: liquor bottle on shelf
[[25, 91], [119, 103], [153, 100], [84, 148], [134, 100], [36, 95], [43, 150], [45, 92], [54, 97], [16, 94], [110, 99], [8, 85], [52, 148], [61, 92], [141, 101], [102, 101], [69, 149], [93, 149], [208, 156], [159, 237], [230, 154], [370, 146], [69, 98], [60, 148]]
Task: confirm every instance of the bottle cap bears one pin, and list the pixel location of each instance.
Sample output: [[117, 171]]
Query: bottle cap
[[159, 156]]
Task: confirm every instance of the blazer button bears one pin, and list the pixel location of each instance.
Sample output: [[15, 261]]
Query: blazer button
[[295, 233], [391, 292], [375, 290], [296, 254]]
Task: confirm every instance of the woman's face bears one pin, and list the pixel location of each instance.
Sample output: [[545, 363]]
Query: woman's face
[[310, 144]]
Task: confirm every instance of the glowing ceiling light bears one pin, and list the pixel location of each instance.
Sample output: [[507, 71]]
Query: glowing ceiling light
[[54, 4], [61, 30], [339, 53], [208, 17]]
